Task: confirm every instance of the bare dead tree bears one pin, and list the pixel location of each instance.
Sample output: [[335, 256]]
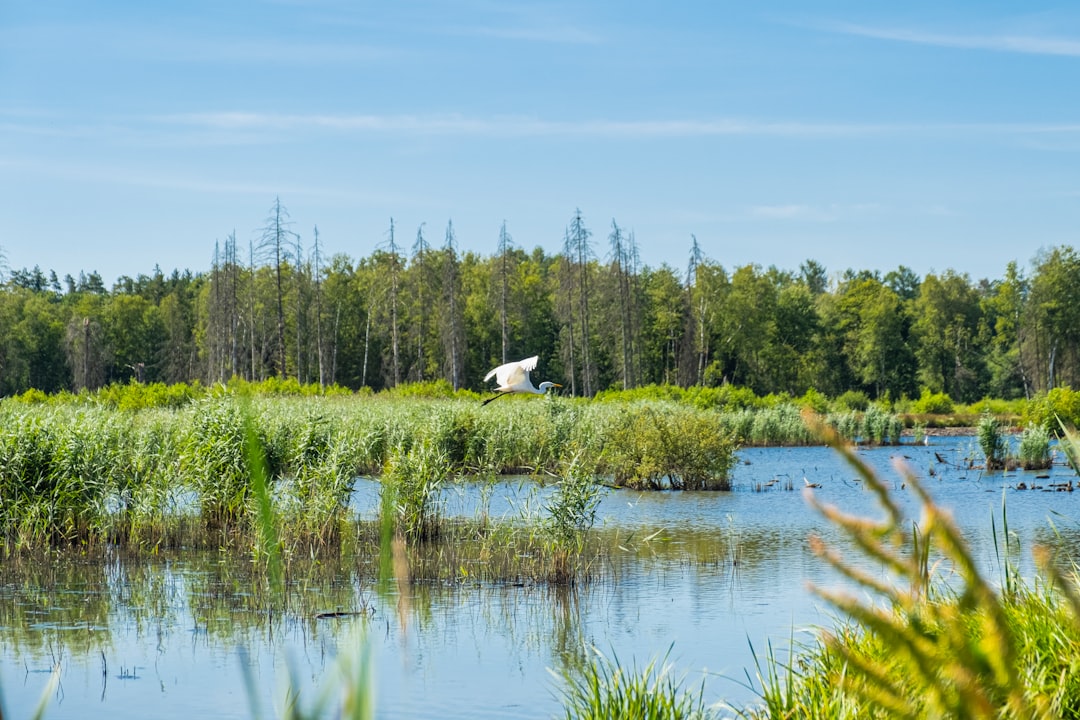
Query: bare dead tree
[[453, 335], [421, 250], [506, 244], [274, 242], [318, 308], [582, 253]]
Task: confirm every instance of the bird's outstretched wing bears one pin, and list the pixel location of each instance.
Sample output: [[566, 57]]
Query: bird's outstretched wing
[[512, 374]]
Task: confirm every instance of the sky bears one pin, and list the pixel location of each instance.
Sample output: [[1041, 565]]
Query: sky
[[937, 136]]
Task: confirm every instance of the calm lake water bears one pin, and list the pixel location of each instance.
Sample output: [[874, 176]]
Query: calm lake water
[[174, 637]]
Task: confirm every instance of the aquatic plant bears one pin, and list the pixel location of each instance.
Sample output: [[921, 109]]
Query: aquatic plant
[[922, 649], [572, 507], [992, 442], [571, 514], [658, 446], [776, 422], [410, 486], [214, 461], [604, 689], [1034, 450]]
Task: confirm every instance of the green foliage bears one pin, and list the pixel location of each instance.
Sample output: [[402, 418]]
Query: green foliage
[[855, 400], [655, 446], [1034, 451], [410, 486], [137, 396], [963, 650], [815, 401], [215, 460], [572, 507], [724, 397], [992, 442], [603, 689], [1001, 408], [1047, 408], [429, 389], [933, 403]]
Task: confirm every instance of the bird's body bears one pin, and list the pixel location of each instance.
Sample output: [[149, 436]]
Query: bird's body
[[513, 377]]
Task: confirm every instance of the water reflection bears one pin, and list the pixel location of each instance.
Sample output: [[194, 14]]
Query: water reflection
[[705, 574]]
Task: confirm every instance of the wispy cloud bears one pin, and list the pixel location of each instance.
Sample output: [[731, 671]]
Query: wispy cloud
[[528, 126], [523, 21], [180, 44], [177, 181], [259, 127], [812, 213], [514, 126], [1028, 44]]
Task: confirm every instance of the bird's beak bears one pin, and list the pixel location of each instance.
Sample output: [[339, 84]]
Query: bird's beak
[[556, 384]]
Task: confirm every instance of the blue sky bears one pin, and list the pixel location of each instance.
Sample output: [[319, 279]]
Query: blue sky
[[862, 135]]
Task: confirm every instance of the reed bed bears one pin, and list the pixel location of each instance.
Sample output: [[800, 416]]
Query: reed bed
[[80, 474]]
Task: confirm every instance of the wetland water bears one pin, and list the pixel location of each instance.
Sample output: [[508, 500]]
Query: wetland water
[[702, 574]]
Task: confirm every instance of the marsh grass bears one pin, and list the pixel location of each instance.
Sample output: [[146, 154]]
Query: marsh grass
[[992, 442], [1034, 450], [84, 473], [604, 689], [921, 647], [410, 488], [658, 447]]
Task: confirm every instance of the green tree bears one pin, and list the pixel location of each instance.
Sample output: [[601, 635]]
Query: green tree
[[1003, 306], [948, 315], [872, 328], [1050, 330]]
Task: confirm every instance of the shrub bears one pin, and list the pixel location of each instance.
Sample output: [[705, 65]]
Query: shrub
[[853, 400], [1060, 403], [814, 400], [933, 403], [655, 446]]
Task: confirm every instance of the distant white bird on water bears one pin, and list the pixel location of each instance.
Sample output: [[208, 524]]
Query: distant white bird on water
[[514, 378]]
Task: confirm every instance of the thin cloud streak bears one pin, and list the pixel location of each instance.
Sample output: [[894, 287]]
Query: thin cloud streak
[[1026, 44], [520, 126], [141, 179], [813, 213], [453, 124], [257, 128]]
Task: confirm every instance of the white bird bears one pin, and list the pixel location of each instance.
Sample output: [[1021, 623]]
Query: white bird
[[514, 378]]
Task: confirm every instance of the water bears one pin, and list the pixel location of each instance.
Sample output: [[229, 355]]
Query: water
[[172, 637]]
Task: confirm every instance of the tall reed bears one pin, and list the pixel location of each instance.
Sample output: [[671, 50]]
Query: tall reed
[[604, 689], [1034, 451], [992, 442], [923, 649]]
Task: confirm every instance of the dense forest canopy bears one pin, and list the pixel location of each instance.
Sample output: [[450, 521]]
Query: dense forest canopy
[[419, 309]]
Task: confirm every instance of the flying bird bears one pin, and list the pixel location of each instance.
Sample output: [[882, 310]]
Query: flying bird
[[514, 378]]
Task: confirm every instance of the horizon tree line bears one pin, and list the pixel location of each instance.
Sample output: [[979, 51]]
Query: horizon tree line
[[279, 308]]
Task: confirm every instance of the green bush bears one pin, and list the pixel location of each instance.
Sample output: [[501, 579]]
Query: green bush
[[933, 403], [855, 400], [655, 446], [1046, 409]]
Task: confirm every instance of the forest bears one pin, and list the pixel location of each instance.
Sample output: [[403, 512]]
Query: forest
[[418, 310]]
